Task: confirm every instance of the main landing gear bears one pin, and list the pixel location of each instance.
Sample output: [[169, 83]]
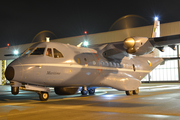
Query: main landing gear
[[130, 92], [86, 90]]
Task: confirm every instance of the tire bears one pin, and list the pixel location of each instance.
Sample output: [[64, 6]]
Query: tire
[[83, 92], [91, 91], [130, 92], [135, 92], [43, 96]]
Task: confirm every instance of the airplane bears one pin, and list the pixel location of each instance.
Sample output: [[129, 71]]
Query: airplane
[[68, 68]]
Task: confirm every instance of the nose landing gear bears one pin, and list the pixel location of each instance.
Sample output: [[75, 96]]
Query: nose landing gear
[[43, 96]]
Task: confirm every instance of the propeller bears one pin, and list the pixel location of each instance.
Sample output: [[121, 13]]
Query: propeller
[[40, 37], [131, 44]]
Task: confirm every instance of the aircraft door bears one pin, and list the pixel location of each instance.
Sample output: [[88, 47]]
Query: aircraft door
[[89, 68], [92, 64]]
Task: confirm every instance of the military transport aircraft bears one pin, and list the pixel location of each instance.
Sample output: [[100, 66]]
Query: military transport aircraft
[[68, 68]]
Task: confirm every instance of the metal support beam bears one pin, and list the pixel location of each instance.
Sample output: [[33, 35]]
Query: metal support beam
[[178, 62], [3, 72]]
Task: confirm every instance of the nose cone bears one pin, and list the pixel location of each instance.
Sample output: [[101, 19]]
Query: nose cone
[[9, 73]]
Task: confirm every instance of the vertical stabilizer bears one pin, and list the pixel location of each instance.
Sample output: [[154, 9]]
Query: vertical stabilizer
[[156, 28]]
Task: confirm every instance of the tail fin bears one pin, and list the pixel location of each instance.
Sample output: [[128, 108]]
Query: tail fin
[[156, 28]]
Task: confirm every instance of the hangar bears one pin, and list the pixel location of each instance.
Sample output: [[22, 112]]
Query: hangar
[[168, 72]]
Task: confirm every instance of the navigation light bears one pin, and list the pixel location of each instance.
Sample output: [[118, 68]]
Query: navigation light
[[156, 18]]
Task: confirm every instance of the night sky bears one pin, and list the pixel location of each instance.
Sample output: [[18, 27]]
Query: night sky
[[21, 20]]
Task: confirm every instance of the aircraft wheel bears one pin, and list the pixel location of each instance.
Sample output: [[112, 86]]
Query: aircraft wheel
[[135, 92], [91, 91], [130, 92], [43, 96], [84, 92]]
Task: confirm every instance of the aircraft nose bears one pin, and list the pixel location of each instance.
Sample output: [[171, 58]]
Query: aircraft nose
[[9, 73]]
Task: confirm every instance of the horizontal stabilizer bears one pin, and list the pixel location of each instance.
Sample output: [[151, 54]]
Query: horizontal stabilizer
[[167, 59], [173, 58], [165, 41]]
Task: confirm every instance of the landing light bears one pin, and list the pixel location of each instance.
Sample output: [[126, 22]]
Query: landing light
[[16, 52]]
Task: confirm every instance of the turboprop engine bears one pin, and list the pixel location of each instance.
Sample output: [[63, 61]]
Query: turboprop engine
[[138, 45]]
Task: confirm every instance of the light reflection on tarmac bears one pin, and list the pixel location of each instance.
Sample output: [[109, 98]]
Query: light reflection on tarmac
[[156, 101]]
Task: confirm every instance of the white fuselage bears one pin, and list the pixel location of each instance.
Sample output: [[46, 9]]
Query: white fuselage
[[80, 67]]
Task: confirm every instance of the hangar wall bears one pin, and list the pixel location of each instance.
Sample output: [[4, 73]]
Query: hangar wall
[[104, 37], [119, 35], [98, 38]]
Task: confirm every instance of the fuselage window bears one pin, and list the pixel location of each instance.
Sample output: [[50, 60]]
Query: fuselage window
[[27, 51], [114, 64], [107, 64], [78, 61], [117, 64], [102, 63], [57, 54], [110, 63], [38, 51], [49, 52]]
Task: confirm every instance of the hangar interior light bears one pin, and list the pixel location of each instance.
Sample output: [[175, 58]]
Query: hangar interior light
[[16, 52], [85, 43]]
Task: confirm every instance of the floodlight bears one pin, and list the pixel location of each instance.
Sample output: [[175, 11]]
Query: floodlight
[[16, 52], [86, 43]]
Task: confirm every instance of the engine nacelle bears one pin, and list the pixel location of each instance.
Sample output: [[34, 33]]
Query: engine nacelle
[[138, 45], [66, 90]]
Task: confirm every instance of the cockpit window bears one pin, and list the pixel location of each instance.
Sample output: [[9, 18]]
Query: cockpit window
[[38, 51], [49, 52], [27, 51], [57, 54]]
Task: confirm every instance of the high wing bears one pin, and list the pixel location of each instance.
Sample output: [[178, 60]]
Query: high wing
[[114, 50], [137, 45]]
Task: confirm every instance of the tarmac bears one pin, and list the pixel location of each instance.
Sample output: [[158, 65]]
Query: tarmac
[[156, 101]]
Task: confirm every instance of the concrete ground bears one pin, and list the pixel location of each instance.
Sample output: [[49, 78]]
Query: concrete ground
[[156, 101]]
